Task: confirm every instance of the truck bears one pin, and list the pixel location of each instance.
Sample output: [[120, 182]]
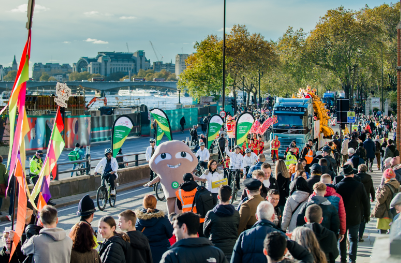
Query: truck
[[329, 98], [294, 122]]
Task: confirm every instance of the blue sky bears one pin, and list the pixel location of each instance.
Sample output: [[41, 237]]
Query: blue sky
[[64, 31]]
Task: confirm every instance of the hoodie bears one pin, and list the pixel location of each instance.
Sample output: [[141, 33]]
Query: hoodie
[[327, 241], [157, 228], [221, 227], [330, 214], [337, 201], [139, 249], [51, 245]]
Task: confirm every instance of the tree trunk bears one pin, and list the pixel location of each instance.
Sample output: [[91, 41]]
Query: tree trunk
[[248, 97]]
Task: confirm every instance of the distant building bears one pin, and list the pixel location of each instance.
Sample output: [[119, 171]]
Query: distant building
[[180, 63], [107, 63], [52, 69], [1, 73], [159, 66], [8, 69]]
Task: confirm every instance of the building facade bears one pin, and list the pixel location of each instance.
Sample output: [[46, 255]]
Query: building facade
[[52, 69], [5, 70], [159, 66], [180, 63], [107, 63]]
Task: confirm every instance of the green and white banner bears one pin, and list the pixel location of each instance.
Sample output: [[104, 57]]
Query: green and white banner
[[244, 124], [163, 125], [121, 128], [213, 128]]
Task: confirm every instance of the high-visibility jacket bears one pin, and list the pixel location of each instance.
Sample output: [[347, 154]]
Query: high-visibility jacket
[[187, 199], [35, 165], [309, 156], [290, 159]]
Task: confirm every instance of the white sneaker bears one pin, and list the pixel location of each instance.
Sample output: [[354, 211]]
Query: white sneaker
[[113, 192]]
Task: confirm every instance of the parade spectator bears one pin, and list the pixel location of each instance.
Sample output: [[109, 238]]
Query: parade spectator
[[182, 123], [366, 180], [396, 205], [396, 166], [269, 181], [273, 197], [283, 182], [353, 143], [57, 248], [189, 247], [326, 238], [331, 219], [221, 223], [249, 245], [370, 148], [316, 172], [3, 180], [391, 150], [83, 244], [248, 208], [384, 195], [154, 224], [222, 144], [325, 169], [275, 248], [331, 162], [212, 174], [5, 252], [356, 203], [259, 175], [377, 151], [139, 245], [354, 157], [300, 192], [344, 149], [307, 239]]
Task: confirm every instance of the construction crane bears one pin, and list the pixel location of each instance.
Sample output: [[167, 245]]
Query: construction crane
[[155, 51]]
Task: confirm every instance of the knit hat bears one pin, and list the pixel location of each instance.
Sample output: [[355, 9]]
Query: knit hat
[[86, 206], [389, 173], [396, 200]]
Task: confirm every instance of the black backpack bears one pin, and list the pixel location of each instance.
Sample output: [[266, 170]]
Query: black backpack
[[204, 201]]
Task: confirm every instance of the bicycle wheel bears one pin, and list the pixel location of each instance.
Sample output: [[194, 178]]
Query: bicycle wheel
[[113, 199], [101, 198], [159, 192], [234, 188]]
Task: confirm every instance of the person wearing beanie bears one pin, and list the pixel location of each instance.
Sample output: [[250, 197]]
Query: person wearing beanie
[[396, 204], [384, 195], [86, 210]]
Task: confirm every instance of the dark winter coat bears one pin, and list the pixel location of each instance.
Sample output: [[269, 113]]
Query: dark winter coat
[[327, 241], [353, 144], [326, 170], [193, 250], [221, 227], [284, 188], [18, 257], [157, 228], [313, 180], [331, 163], [331, 219], [370, 147], [367, 182], [139, 249], [356, 200], [86, 257], [113, 250], [356, 160], [249, 245]]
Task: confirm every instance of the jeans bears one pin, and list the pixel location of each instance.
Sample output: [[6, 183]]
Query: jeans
[[110, 178], [203, 164], [369, 161], [73, 168], [11, 207], [353, 240], [362, 228]]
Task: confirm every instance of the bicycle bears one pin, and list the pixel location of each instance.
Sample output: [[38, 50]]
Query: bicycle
[[103, 195], [157, 187], [232, 175]]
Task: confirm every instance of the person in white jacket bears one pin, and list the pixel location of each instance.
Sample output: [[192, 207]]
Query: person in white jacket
[[344, 149], [107, 167], [249, 160], [235, 163], [149, 153], [212, 174]]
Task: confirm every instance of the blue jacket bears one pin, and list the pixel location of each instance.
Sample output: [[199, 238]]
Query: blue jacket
[[158, 230], [249, 245], [257, 166], [370, 147]]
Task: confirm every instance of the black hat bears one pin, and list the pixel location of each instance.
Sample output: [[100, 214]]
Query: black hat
[[77, 145], [39, 152], [86, 206], [326, 149], [316, 168], [188, 177], [348, 170], [252, 184]]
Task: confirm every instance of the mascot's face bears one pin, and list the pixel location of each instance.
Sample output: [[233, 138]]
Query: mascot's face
[[173, 159]]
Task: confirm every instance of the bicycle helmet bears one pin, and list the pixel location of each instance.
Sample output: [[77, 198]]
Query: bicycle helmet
[[237, 146], [107, 151], [152, 140], [247, 150]]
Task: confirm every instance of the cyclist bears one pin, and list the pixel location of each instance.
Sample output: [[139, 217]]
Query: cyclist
[[149, 153], [235, 163], [77, 154], [108, 166], [249, 160], [203, 155]]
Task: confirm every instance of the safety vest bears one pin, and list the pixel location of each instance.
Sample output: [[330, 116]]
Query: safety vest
[[309, 156], [275, 144], [187, 199], [290, 159], [35, 165]]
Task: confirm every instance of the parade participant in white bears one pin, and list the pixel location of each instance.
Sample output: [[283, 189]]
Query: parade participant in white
[[212, 174], [149, 153], [107, 167], [203, 155], [249, 159], [235, 157]]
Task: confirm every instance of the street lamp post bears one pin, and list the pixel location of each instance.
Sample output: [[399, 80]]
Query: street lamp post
[[224, 55]]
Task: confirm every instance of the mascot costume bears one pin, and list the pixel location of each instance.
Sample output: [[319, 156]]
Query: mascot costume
[[171, 160]]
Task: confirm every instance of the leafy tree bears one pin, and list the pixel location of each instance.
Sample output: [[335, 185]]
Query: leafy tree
[[75, 76], [116, 76], [11, 75], [44, 77], [52, 79]]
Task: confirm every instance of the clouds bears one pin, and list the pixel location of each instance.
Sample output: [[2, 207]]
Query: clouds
[[91, 13], [228, 29], [23, 9], [96, 41], [66, 42], [127, 17]]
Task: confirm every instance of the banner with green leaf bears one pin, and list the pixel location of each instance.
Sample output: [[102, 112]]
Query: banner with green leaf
[[121, 128], [213, 128], [163, 125], [244, 124]]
